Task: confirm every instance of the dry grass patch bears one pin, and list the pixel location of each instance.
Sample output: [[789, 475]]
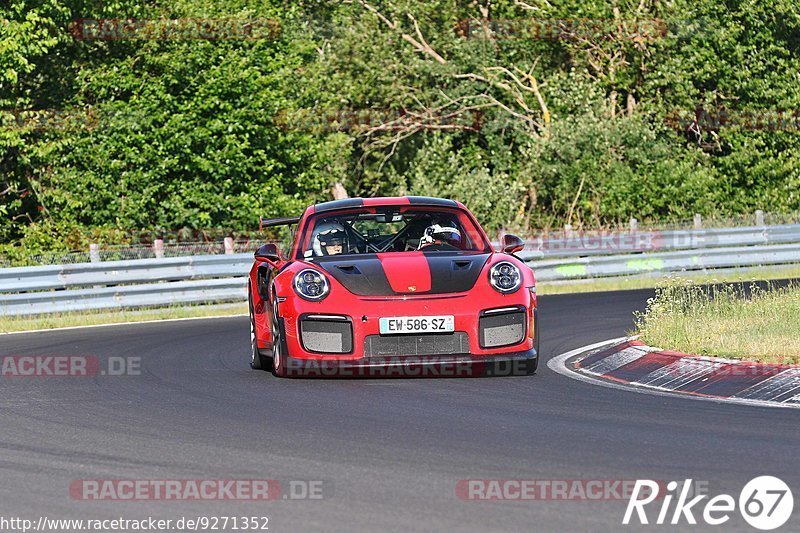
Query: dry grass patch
[[735, 321]]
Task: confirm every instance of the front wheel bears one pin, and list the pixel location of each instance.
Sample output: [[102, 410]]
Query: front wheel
[[533, 365], [257, 361], [278, 357]]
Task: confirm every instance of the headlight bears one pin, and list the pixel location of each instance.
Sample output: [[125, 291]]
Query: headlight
[[505, 277], [311, 284]]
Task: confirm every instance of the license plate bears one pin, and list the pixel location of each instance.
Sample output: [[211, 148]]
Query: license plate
[[417, 324]]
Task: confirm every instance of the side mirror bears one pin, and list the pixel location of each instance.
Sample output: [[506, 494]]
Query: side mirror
[[512, 244], [268, 252]]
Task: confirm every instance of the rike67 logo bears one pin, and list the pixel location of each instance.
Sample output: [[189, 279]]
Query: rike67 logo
[[765, 503]]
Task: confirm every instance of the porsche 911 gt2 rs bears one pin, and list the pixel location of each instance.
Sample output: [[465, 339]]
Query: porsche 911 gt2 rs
[[405, 286]]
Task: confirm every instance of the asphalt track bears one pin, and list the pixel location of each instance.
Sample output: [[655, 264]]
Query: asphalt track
[[389, 452]]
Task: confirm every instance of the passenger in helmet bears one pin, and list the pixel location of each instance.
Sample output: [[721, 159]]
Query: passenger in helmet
[[329, 239], [438, 237]]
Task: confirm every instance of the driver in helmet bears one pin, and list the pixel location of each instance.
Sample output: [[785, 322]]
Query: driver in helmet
[[439, 237], [329, 239]]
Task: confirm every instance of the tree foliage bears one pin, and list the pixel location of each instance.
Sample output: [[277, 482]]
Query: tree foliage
[[528, 128]]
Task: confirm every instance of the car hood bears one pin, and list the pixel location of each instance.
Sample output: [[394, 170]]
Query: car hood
[[398, 273]]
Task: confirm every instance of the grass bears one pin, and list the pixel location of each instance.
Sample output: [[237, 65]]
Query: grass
[[87, 318], [736, 321]]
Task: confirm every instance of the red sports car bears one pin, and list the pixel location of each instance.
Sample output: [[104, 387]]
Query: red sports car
[[406, 286]]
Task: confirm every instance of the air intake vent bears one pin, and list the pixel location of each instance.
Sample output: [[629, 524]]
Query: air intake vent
[[502, 329], [332, 335], [399, 345]]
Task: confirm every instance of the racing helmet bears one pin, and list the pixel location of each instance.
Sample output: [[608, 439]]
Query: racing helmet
[[440, 234], [328, 236]]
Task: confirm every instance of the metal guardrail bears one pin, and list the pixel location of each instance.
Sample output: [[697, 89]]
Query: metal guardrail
[[223, 278], [124, 284], [123, 272], [126, 296], [620, 242], [677, 261]]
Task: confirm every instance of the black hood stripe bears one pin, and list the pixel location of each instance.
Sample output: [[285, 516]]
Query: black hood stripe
[[362, 275], [453, 273]]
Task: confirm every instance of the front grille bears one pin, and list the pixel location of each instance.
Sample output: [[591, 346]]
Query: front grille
[[425, 344], [502, 329], [326, 335]]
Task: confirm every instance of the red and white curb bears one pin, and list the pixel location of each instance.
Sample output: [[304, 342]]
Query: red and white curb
[[629, 364]]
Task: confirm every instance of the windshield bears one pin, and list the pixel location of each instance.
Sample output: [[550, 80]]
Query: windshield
[[391, 229]]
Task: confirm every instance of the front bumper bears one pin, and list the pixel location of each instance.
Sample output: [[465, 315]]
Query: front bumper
[[360, 318], [348, 341], [460, 365]]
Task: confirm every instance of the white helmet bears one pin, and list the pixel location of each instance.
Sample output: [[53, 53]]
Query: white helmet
[[446, 234], [327, 234]]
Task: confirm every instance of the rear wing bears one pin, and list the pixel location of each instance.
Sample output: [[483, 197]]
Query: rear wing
[[272, 222]]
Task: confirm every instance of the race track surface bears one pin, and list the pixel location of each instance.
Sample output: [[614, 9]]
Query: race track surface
[[388, 451]]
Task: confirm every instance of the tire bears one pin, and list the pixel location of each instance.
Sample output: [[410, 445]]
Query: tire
[[531, 366], [278, 357], [257, 361]]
